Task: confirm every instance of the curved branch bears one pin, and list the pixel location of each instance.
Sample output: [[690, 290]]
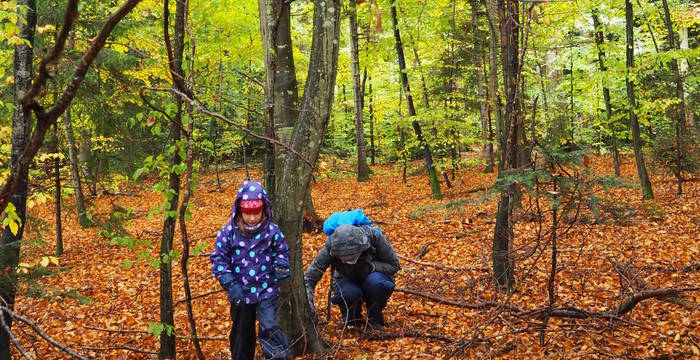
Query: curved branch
[[466, 305], [196, 104], [45, 336]]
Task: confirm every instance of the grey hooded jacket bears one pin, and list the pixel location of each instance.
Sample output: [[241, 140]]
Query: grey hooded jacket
[[377, 254]]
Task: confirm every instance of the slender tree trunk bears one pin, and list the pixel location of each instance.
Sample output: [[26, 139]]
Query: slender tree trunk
[[295, 176], [371, 122], [362, 169], [57, 185], [495, 106], [434, 183], [689, 114], [21, 125], [599, 38], [86, 158], [75, 169], [167, 339], [487, 151], [647, 192], [679, 112], [503, 258]]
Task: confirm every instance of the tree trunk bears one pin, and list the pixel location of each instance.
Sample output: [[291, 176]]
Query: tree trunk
[[495, 106], [85, 157], [647, 192], [678, 113], [21, 122], [75, 169], [599, 37], [434, 183], [503, 258], [167, 338], [273, 15], [689, 114], [487, 151], [57, 185], [295, 176], [362, 169]]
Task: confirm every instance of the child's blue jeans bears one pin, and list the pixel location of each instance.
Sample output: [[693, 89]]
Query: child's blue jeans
[[272, 340], [374, 290]]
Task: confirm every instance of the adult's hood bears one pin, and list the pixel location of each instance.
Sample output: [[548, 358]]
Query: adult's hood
[[348, 241]]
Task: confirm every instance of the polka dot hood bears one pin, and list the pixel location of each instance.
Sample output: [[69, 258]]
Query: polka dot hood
[[251, 257]]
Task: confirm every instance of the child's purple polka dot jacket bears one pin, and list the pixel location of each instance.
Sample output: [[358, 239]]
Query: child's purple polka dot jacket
[[251, 259]]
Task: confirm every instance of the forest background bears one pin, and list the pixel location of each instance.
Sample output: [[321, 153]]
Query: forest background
[[543, 153]]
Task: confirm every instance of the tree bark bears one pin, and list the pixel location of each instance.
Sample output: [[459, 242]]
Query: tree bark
[[271, 14], [432, 174], [487, 151], [495, 105], [21, 125], [647, 192], [599, 38], [503, 258], [295, 176], [75, 169], [362, 169], [679, 112], [689, 114]]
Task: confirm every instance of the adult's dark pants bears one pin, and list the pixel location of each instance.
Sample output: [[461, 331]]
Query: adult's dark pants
[[374, 290], [272, 340]]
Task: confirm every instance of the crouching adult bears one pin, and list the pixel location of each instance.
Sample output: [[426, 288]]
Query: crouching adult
[[364, 264]]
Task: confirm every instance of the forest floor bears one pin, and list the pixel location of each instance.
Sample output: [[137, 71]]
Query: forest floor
[[101, 298]]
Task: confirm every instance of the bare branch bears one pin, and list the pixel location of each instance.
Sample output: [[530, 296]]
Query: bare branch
[[41, 333], [443, 267], [46, 119], [462, 304], [12, 337], [196, 104]]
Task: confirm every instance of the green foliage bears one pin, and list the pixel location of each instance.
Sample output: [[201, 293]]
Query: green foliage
[[158, 328]]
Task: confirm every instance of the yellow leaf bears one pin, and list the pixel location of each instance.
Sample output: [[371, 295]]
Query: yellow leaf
[[54, 260], [44, 261]]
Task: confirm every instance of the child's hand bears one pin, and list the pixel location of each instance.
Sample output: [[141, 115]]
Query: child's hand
[[282, 270], [234, 294]]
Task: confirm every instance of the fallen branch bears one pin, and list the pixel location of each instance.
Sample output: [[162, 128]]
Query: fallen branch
[[691, 267], [461, 304], [46, 337], [123, 347], [443, 267], [625, 307], [13, 338], [129, 331], [408, 334]]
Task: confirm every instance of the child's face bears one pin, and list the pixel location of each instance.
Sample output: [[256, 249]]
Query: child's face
[[252, 219]]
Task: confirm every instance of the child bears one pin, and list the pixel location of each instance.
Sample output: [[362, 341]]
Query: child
[[249, 259]]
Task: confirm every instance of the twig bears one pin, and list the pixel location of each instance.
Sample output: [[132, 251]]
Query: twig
[[443, 267], [462, 304], [198, 296], [204, 111], [12, 337], [625, 307], [46, 337], [377, 336], [123, 347], [129, 331]]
